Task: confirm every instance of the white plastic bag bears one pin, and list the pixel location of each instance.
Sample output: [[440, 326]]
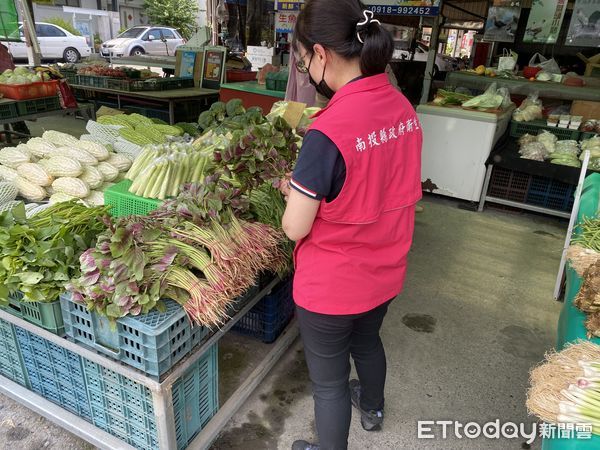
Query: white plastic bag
[[507, 61], [547, 65]]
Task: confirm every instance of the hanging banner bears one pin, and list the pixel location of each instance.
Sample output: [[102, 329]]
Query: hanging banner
[[502, 21], [584, 30], [544, 21], [404, 8], [285, 21]]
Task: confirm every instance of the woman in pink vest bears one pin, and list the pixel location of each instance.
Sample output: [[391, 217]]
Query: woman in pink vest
[[351, 207]]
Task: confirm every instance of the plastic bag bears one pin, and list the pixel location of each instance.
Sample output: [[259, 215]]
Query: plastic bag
[[533, 150], [66, 95], [568, 146], [507, 61], [526, 139], [548, 140], [547, 65], [492, 98], [530, 109]]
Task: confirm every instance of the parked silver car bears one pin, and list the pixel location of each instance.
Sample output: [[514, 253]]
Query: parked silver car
[[142, 40]]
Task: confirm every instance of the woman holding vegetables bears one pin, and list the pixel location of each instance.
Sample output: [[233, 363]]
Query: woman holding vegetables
[[351, 206]]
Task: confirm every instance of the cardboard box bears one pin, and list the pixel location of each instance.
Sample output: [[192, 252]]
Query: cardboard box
[[586, 108]]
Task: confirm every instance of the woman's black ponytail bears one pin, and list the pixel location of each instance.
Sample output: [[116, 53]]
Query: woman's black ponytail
[[348, 29]]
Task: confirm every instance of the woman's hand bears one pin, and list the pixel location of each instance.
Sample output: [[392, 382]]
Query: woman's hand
[[284, 186]]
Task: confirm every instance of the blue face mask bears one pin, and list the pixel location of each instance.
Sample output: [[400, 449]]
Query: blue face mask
[[322, 87]]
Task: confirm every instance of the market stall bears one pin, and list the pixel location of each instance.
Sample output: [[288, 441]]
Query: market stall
[[156, 241]]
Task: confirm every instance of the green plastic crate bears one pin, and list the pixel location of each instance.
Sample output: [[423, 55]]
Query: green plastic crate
[[38, 105], [121, 84], [124, 203], [11, 360], [535, 127], [46, 315], [587, 135], [8, 110], [92, 81]]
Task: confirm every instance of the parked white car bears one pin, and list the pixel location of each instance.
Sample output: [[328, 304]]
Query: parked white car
[[136, 41], [443, 63], [56, 43]]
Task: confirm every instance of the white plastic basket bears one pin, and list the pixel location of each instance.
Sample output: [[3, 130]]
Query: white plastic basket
[[107, 133], [127, 148]]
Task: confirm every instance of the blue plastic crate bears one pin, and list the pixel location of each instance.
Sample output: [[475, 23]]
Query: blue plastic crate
[[268, 318], [11, 361], [196, 397], [54, 372], [123, 408], [550, 193], [152, 342]]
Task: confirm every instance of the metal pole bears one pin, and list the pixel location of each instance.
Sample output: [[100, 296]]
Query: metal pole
[[574, 214], [433, 43], [33, 47]]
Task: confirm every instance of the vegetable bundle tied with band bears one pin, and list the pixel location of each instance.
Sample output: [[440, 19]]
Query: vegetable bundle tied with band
[[566, 387], [202, 264]]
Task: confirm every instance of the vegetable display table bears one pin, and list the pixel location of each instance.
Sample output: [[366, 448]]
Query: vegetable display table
[[134, 381], [546, 89], [177, 105], [252, 94], [571, 325], [456, 144]]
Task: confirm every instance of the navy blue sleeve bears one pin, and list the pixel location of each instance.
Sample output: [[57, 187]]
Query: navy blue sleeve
[[320, 170]]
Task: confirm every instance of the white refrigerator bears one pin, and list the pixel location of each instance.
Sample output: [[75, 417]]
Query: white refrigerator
[[456, 144]]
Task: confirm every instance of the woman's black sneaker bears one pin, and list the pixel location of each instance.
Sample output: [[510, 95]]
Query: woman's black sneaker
[[370, 420], [303, 445]]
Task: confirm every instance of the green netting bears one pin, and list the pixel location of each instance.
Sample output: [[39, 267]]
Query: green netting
[[9, 21]]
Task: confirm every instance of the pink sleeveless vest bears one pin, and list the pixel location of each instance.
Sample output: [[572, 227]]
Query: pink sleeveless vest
[[354, 258]]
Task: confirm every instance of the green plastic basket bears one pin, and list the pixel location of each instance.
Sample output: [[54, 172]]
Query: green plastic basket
[[587, 135], [46, 315], [518, 129], [124, 203], [38, 105]]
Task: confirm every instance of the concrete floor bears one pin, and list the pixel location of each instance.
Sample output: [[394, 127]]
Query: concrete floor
[[475, 315]]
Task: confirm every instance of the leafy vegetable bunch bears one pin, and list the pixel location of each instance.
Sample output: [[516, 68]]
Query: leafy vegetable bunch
[[40, 254]]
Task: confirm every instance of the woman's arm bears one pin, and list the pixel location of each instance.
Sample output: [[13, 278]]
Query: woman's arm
[[299, 215]]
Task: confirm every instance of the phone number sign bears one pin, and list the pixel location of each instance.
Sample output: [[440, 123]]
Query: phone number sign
[[407, 8]]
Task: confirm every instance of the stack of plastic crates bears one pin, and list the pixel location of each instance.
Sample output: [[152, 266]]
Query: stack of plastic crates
[[46, 315]]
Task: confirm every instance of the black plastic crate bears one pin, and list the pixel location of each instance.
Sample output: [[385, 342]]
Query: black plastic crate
[[509, 184], [8, 110], [38, 105], [268, 318]]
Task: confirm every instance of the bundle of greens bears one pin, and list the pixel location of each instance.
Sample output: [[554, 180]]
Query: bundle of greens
[[39, 255], [259, 154], [203, 265], [223, 117]]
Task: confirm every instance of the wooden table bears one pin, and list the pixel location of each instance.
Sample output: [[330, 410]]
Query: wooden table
[[172, 99]]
